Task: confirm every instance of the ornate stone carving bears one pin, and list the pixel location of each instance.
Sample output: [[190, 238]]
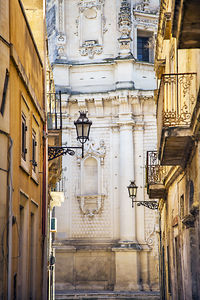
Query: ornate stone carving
[[189, 220], [91, 15], [91, 149], [144, 6], [90, 48], [125, 27], [90, 204], [61, 38], [150, 237], [56, 199]]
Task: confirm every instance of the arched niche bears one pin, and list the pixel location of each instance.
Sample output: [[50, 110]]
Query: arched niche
[[91, 194], [90, 176]]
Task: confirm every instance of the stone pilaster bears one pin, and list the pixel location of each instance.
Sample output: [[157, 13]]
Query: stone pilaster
[[126, 170], [139, 179]]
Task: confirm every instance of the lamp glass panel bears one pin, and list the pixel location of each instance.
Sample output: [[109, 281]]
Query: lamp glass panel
[[79, 130], [86, 130]]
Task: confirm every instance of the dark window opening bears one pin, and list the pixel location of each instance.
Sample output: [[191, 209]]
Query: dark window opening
[[143, 49], [24, 130], [34, 145]]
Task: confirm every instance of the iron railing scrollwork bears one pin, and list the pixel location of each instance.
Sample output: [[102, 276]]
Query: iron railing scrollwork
[[54, 114], [155, 172], [177, 98], [178, 95]]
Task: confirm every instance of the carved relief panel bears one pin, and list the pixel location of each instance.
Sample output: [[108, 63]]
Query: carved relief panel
[[91, 26], [91, 190], [61, 37]]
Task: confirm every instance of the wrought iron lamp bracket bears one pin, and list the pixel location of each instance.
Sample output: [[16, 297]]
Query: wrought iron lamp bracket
[[149, 204], [57, 151]]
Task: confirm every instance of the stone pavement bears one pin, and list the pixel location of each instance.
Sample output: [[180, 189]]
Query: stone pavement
[[103, 295]]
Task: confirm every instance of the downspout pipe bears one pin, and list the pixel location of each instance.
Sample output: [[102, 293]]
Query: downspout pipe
[[44, 213], [10, 214]]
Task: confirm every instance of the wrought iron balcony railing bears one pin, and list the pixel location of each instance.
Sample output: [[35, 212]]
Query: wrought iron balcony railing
[[54, 115], [155, 172], [176, 100]]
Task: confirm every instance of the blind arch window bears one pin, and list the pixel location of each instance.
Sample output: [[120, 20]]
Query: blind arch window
[[90, 186]]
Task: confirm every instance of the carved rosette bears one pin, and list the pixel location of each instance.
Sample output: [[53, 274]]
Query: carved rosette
[[125, 27]]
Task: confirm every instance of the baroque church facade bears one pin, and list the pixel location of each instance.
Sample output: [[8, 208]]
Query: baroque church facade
[[102, 53]]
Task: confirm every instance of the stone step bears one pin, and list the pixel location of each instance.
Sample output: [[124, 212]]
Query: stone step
[[103, 295]]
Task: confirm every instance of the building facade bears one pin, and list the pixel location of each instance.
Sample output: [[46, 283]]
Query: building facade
[[102, 56], [175, 180], [5, 140], [23, 192]]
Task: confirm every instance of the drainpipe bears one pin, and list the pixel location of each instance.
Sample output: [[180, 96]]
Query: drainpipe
[[44, 214], [10, 214], [160, 255]]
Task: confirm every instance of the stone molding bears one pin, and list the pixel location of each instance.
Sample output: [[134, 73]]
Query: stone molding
[[131, 97]]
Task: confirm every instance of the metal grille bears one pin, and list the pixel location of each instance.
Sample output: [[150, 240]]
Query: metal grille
[[54, 115], [177, 98], [155, 172]]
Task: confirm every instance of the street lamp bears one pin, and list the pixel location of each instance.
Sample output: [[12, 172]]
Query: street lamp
[[82, 129], [132, 190]]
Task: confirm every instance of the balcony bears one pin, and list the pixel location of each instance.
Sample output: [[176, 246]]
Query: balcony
[[186, 23], [177, 99], [54, 123], [155, 176], [54, 114]]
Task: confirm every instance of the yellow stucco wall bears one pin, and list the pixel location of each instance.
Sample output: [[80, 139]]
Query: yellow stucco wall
[[26, 94]]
